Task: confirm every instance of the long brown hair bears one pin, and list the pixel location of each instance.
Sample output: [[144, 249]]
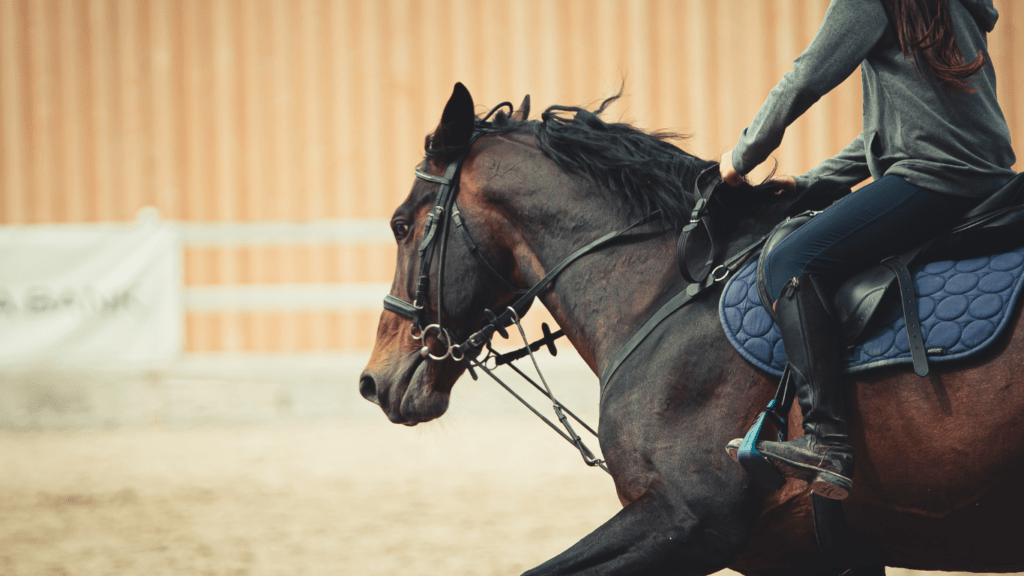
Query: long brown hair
[[925, 29]]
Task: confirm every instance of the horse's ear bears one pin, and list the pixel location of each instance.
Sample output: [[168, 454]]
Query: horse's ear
[[456, 127], [523, 112]]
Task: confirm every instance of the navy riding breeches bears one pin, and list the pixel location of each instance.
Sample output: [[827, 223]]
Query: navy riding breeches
[[884, 218]]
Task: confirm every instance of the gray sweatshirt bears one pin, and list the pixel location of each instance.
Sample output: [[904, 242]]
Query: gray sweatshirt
[[934, 137]]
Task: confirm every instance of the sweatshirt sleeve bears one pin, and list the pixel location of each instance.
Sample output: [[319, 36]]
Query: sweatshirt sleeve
[[850, 30], [848, 168]]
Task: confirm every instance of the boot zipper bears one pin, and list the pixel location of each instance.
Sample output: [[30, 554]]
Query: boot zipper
[[789, 288]]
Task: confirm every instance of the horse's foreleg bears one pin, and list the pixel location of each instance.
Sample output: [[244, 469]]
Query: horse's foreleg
[[651, 536]]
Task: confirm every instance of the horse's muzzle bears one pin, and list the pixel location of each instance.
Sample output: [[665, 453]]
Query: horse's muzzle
[[368, 387]]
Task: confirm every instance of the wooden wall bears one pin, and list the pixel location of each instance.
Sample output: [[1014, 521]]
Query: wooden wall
[[248, 111]]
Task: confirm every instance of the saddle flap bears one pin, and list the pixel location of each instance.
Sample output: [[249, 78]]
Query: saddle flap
[[857, 299]]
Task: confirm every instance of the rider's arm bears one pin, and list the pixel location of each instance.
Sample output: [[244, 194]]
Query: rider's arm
[[850, 30], [848, 168]]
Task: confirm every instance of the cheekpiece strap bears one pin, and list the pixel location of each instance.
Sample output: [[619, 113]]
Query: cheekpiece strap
[[441, 203]]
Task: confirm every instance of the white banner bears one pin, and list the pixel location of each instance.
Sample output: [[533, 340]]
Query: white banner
[[90, 294]]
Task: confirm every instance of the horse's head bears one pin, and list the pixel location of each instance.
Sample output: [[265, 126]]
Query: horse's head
[[461, 232], [441, 288]]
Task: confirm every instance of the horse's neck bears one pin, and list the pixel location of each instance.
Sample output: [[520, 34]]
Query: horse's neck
[[603, 299]]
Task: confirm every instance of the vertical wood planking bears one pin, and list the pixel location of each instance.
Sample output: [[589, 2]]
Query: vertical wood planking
[[665, 97], [147, 194], [228, 129], [165, 177], [128, 188], [701, 69], [13, 118], [72, 178], [255, 67], [371, 173], [313, 110], [1009, 33], [108, 105], [816, 121], [344, 52], [43, 107], [195, 28], [726, 68], [226, 110], [395, 119], [640, 60], [606, 69], [788, 46]]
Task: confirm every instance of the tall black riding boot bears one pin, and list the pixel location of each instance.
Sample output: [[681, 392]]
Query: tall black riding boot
[[822, 456]]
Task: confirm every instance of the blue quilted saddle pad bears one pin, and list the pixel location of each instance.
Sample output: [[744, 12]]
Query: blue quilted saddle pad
[[964, 305]]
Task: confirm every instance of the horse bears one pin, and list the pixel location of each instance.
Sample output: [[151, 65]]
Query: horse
[[938, 458]]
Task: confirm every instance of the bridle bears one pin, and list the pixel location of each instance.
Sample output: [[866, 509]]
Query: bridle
[[445, 214], [441, 218]]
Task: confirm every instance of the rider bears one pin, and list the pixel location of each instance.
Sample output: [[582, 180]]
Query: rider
[[935, 143]]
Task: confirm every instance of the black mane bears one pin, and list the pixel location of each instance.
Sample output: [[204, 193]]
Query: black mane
[[646, 171]]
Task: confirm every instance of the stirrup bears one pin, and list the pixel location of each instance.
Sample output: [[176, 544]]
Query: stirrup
[[756, 464], [745, 452]]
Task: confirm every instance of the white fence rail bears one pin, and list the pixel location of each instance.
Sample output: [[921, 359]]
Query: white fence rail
[[268, 297]]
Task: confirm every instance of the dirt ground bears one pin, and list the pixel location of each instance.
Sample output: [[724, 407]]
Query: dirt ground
[[362, 498], [482, 497]]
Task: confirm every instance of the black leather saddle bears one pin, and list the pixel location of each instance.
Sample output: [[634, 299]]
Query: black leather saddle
[[997, 223]]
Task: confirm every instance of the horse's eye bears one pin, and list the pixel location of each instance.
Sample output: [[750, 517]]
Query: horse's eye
[[401, 230]]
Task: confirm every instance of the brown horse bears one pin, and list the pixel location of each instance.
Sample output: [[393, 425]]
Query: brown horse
[[938, 458]]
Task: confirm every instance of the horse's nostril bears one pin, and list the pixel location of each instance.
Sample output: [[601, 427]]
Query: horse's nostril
[[368, 388]]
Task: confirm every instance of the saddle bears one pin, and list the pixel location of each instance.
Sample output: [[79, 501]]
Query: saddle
[[997, 223]]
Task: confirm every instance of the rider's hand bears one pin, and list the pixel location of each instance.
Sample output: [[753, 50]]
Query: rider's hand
[[785, 183], [729, 174]]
